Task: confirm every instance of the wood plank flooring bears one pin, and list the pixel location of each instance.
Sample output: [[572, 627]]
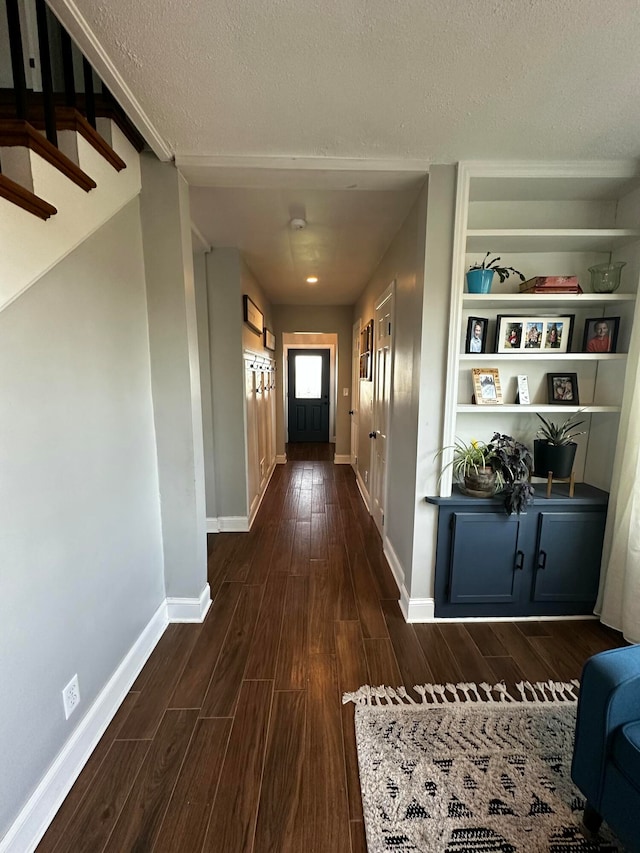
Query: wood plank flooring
[[234, 737]]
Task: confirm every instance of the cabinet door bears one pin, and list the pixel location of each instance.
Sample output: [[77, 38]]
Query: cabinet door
[[568, 554], [485, 558]]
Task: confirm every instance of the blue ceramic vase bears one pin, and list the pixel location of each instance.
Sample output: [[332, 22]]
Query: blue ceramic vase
[[479, 281]]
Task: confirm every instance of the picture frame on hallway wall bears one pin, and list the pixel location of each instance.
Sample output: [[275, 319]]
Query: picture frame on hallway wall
[[253, 316], [269, 340]]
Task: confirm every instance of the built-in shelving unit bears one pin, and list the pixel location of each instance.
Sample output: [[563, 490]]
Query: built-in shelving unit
[[544, 219]]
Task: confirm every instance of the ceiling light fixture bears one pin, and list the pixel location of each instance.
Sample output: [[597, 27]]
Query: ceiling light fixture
[[297, 224], [312, 279]]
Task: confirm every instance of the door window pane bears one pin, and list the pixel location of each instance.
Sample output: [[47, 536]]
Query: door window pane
[[308, 377]]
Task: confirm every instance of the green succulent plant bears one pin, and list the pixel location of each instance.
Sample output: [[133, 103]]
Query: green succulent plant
[[560, 434], [503, 272]]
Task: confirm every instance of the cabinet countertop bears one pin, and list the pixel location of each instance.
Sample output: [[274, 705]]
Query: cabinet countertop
[[584, 495]]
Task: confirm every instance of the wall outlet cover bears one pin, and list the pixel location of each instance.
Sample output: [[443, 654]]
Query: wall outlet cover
[[71, 696]]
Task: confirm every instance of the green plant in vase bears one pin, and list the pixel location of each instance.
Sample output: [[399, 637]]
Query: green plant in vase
[[480, 274], [471, 467], [513, 464], [555, 447]]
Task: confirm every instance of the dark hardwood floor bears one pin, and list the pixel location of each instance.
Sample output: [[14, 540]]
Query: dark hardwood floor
[[233, 737]]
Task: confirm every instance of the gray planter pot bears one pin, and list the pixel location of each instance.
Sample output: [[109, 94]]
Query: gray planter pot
[[556, 458]]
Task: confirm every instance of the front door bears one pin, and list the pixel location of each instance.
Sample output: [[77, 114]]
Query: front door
[[308, 395]]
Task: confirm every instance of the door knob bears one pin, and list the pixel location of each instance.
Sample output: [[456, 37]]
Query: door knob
[[350, 411], [372, 435]]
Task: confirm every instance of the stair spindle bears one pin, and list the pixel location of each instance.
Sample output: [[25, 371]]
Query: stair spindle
[[89, 96], [45, 73], [17, 58]]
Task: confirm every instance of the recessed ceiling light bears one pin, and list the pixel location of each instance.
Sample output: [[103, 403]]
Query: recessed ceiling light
[[312, 279]]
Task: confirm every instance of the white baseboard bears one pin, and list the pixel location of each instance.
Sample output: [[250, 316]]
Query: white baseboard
[[213, 525], [281, 459], [579, 617], [364, 494], [189, 609], [341, 459], [233, 524], [419, 609], [32, 822], [394, 563]]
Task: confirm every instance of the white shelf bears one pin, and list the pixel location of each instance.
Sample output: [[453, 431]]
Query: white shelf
[[531, 300], [549, 239], [487, 357], [485, 408]]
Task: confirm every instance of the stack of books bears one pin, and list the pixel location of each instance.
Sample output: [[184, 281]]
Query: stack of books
[[551, 284]]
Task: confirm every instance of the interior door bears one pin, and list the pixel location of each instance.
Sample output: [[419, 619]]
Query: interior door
[[383, 348], [308, 374], [355, 394]]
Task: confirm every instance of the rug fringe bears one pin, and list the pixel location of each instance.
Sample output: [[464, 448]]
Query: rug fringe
[[464, 692]]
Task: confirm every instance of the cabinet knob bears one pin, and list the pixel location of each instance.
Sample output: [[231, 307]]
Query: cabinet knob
[[351, 412]]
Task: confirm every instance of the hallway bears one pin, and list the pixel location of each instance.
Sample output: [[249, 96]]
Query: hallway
[[233, 737]]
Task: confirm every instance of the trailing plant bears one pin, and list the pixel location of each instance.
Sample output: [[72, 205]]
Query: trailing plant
[[513, 464], [503, 272], [560, 434]]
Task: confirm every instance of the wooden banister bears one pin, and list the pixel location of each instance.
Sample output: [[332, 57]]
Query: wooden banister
[[26, 200]]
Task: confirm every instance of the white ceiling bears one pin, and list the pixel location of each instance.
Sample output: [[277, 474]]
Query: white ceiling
[[400, 83]]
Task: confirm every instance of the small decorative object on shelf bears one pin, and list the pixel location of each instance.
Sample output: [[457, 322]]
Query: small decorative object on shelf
[[551, 284], [533, 334], [522, 397], [476, 334], [563, 389], [605, 278], [486, 385], [600, 334], [480, 275], [554, 449]]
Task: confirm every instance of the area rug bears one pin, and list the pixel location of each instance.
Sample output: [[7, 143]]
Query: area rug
[[470, 768]]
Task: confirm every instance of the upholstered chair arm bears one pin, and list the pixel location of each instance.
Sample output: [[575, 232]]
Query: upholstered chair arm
[[609, 697]]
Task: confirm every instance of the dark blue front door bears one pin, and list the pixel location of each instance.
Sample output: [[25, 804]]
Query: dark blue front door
[[308, 395]]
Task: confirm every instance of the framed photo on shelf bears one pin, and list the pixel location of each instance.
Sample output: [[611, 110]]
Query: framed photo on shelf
[[562, 389], [253, 316], [533, 334], [269, 339], [476, 340], [486, 385], [523, 391], [600, 334]]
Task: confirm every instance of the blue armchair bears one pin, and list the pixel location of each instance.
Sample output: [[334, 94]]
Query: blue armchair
[[606, 756]]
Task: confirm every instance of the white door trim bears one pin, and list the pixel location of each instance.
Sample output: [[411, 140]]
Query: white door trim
[[385, 296]]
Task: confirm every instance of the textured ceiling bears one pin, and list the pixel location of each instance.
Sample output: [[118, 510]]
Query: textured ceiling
[[415, 80]]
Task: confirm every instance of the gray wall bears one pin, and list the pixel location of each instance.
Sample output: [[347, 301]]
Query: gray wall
[[202, 309], [404, 263], [228, 279], [336, 319], [175, 375], [80, 548]]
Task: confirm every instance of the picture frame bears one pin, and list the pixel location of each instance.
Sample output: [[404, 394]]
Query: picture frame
[[365, 366], [600, 334], [476, 340], [486, 386], [253, 316], [533, 334], [366, 338], [523, 398], [269, 339], [562, 389]]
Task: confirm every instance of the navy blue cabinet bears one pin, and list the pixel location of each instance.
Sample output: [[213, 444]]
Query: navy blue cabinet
[[543, 562]]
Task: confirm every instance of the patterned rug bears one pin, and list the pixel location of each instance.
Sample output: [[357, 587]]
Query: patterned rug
[[470, 769]]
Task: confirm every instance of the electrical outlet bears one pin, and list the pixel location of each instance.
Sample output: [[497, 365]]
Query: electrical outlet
[[71, 696]]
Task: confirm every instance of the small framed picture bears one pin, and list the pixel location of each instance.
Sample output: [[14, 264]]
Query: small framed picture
[[563, 389], [486, 385], [600, 334], [269, 339], [533, 334], [253, 316], [523, 391], [476, 334]]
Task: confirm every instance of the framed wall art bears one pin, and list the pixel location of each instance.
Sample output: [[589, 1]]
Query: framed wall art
[[533, 334], [600, 334], [253, 316], [486, 385], [269, 339], [562, 389], [476, 340]]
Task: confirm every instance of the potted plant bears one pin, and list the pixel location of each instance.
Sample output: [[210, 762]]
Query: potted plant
[[554, 449], [513, 463], [471, 466], [480, 275]]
